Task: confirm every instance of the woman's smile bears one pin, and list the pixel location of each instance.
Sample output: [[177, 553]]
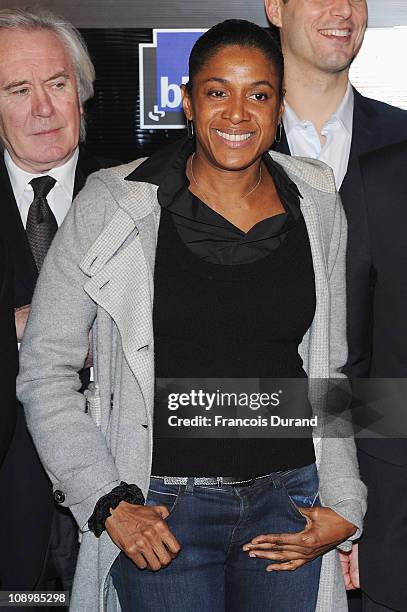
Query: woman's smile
[[234, 139]]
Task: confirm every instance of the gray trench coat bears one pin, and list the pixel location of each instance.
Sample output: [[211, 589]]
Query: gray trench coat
[[99, 272]]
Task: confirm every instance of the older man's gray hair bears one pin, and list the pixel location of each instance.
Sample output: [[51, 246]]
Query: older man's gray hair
[[20, 19]]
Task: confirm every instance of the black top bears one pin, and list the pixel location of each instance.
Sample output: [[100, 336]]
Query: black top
[[212, 237], [215, 316]]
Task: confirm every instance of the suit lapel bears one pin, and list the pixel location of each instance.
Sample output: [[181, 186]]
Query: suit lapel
[[85, 166], [282, 146], [374, 127], [25, 271], [366, 135], [80, 180]]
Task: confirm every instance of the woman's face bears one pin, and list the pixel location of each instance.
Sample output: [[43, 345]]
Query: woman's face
[[235, 107]]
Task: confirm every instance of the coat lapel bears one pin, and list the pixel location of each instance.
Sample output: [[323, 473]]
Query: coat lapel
[[120, 265]]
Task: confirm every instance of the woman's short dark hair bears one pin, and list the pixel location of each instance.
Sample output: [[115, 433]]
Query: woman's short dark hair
[[234, 32]]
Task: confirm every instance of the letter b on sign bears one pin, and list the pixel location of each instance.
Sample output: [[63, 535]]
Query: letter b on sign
[[170, 94]]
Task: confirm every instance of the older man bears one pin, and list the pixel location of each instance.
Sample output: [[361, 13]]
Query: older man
[[46, 76], [326, 118]]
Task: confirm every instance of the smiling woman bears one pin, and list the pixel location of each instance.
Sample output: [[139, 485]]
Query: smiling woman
[[245, 250], [235, 104], [229, 219]]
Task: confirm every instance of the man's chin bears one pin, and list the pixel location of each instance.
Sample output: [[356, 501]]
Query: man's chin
[[336, 65], [53, 157]]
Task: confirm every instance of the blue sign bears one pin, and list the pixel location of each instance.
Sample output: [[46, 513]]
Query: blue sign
[[163, 69]]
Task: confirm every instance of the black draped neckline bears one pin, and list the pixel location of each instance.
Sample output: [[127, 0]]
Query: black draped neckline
[[209, 235]]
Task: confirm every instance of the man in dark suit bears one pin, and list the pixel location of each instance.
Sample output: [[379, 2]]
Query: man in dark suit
[[326, 118], [383, 463], [46, 76], [8, 355]]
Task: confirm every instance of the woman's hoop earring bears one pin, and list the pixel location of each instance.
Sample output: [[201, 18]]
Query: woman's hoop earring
[[190, 129], [279, 133]]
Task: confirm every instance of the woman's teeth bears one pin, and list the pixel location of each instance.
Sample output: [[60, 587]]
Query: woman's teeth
[[234, 137]]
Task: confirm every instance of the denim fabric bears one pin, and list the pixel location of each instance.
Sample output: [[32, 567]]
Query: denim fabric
[[212, 573]]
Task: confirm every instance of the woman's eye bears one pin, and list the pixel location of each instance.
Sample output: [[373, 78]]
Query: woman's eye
[[259, 96], [216, 93]]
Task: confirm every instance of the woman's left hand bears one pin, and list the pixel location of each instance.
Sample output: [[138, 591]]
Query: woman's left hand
[[325, 529]]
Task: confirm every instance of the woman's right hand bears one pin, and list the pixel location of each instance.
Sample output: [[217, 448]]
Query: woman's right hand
[[143, 535]]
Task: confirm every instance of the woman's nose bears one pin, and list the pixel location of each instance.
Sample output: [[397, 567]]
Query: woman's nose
[[236, 110]]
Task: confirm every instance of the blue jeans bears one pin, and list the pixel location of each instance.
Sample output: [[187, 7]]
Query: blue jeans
[[212, 573]]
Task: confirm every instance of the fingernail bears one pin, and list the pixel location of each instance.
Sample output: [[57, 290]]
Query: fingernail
[[252, 554], [246, 548]]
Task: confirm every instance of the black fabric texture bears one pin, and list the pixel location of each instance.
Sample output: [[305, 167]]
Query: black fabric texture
[[123, 492]]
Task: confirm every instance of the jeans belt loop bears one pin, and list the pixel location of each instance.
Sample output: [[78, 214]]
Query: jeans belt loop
[[276, 480], [189, 488]]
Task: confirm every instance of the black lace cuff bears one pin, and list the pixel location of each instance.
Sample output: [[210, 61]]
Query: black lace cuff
[[124, 492]]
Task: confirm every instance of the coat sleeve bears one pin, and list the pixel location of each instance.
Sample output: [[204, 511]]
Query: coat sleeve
[[55, 345], [340, 486]]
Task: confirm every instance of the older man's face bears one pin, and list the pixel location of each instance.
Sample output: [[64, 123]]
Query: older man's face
[[323, 34], [39, 107]]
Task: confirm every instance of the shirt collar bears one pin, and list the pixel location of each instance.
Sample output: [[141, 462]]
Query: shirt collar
[[343, 114], [64, 175]]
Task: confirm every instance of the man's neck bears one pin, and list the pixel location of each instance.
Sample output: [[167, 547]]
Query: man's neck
[[314, 96]]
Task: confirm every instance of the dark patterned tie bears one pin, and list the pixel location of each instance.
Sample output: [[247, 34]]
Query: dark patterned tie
[[41, 223]]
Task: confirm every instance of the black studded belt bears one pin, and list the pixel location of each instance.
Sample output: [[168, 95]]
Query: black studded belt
[[234, 481]]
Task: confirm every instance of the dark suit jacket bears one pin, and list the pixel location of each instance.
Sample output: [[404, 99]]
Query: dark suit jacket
[[383, 463], [376, 127], [8, 355], [25, 521], [386, 199]]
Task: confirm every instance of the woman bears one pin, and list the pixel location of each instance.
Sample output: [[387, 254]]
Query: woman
[[245, 253]]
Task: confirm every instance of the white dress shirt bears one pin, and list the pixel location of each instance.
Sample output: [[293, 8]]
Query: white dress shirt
[[303, 138], [60, 196]]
